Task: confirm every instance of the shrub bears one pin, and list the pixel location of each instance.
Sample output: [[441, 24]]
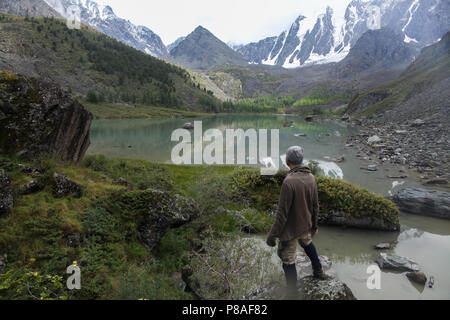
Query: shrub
[[338, 195], [230, 268], [26, 284]]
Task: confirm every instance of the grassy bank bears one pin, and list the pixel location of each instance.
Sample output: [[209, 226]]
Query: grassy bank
[[129, 111], [100, 231]]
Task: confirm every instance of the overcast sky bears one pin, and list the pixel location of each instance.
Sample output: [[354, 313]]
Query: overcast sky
[[237, 21]]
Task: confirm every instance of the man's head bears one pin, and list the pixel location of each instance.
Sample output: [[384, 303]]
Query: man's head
[[294, 156]]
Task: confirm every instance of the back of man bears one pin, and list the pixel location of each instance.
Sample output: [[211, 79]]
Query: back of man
[[296, 220], [300, 197]]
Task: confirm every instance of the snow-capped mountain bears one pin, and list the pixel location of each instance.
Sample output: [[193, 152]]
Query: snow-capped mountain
[[174, 44], [329, 36], [103, 18]]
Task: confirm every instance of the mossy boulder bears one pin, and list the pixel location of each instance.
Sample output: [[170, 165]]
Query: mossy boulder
[[341, 203], [37, 117], [152, 213]]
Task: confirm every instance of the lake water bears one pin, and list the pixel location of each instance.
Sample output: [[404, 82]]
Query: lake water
[[422, 239]]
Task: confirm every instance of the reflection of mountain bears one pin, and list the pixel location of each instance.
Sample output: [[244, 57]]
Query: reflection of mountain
[[410, 234]]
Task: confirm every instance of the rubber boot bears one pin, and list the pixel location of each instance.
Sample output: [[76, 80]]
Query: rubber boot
[[318, 272], [290, 272]]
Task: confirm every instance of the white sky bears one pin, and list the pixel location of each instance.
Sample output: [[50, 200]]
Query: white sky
[[237, 21]]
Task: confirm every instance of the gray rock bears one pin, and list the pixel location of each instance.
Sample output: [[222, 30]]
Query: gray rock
[[372, 168], [31, 187], [418, 123], [383, 246], [165, 212], [418, 277], [28, 169], [304, 265], [437, 181], [343, 220], [6, 193], [65, 187], [188, 126], [396, 263], [424, 202], [308, 289], [56, 124], [374, 140], [333, 289]]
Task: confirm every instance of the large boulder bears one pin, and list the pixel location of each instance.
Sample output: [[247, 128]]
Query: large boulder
[[424, 202], [165, 212], [332, 289], [396, 263], [308, 287], [6, 193], [38, 117]]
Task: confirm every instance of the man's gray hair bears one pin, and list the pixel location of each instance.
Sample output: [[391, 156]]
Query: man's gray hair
[[295, 155]]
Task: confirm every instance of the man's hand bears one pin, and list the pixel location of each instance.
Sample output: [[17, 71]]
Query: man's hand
[[271, 242], [314, 232]]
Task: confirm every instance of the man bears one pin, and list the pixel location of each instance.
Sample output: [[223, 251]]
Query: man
[[296, 220]]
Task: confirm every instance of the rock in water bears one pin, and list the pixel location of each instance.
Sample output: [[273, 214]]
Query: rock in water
[[396, 263], [6, 193], [304, 265], [342, 219], [418, 277], [165, 212], [65, 187], [383, 246], [333, 289], [424, 202], [38, 117], [436, 181], [188, 126]]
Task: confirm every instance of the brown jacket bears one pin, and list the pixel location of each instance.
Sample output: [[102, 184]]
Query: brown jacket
[[298, 208]]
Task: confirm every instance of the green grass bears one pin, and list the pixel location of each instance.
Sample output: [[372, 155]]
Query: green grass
[[320, 97], [126, 111], [115, 263]]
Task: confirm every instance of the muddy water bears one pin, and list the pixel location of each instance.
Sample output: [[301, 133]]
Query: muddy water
[[422, 239]]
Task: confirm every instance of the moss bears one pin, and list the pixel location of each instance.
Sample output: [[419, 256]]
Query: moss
[[334, 195]]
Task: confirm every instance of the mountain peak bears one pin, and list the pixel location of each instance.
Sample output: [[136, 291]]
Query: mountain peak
[[202, 50], [329, 36]]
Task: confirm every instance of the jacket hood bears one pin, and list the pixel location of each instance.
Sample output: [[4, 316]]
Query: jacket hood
[[302, 169]]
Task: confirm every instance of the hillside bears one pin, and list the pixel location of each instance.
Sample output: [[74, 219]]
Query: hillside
[[86, 62], [376, 50], [201, 50], [422, 89], [28, 8], [103, 18]]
